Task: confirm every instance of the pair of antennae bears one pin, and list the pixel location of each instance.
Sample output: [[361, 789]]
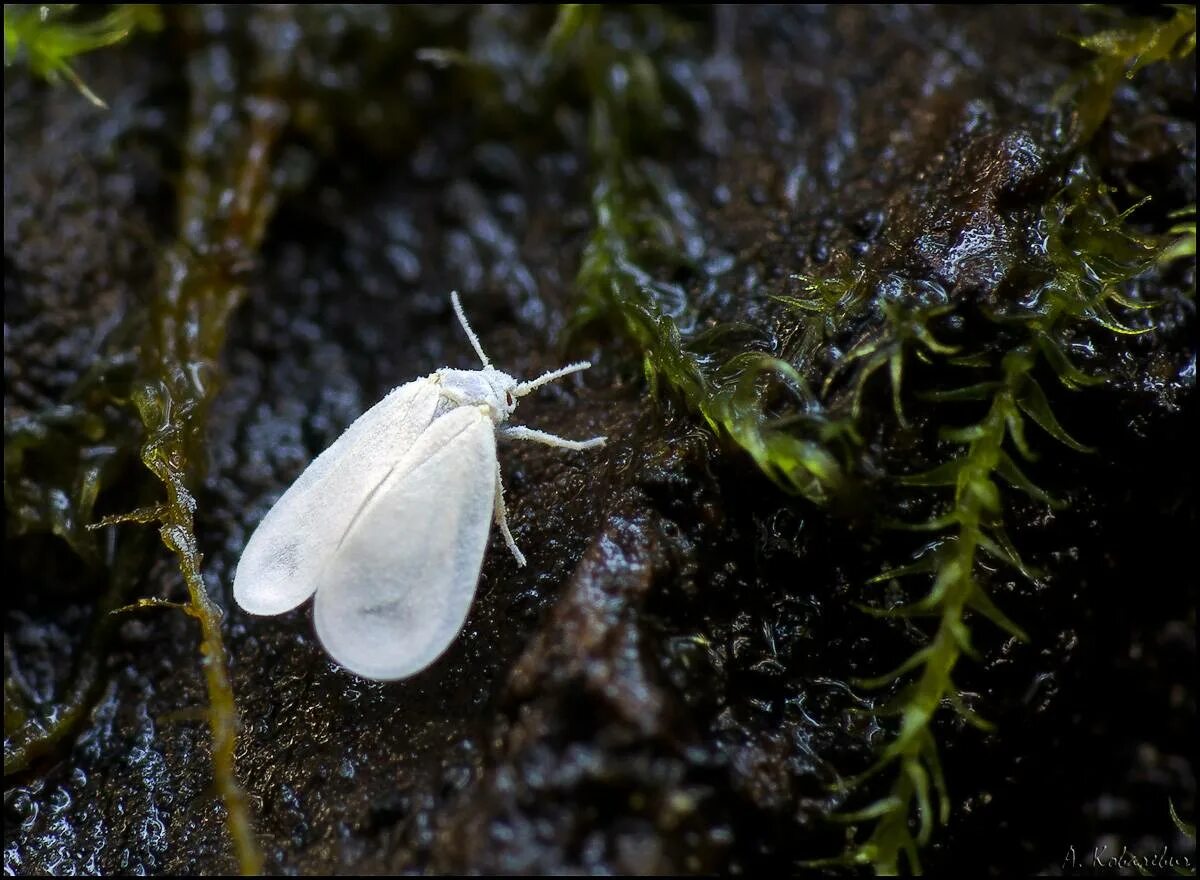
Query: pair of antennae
[[522, 388]]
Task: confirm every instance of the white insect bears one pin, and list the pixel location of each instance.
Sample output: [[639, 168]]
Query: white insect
[[388, 526]]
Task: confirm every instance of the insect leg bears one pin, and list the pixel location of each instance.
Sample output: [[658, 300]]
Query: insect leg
[[520, 432], [502, 520]]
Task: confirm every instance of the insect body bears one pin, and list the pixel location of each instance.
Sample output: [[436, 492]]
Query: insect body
[[388, 526]]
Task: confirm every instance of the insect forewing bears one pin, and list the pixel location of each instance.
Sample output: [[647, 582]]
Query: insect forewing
[[397, 590], [296, 539]]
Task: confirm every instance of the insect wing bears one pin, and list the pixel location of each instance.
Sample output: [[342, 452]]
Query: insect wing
[[398, 589], [296, 539]]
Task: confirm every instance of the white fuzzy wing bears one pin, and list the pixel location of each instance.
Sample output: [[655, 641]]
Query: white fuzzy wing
[[295, 540], [398, 589]]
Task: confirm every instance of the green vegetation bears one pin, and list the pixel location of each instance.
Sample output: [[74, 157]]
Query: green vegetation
[[734, 396], [171, 383], [224, 208], [973, 404], [731, 396], [58, 462], [1121, 52], [1089, 254], [1184, 247], [47, 37]]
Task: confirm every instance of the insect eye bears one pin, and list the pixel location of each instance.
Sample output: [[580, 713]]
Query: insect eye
[[508, 397]]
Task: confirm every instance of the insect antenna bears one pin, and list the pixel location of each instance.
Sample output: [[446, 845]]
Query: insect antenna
[[525, 387], [462, 319]]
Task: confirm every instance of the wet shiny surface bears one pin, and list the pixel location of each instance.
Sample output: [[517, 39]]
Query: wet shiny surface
[[665, 687]]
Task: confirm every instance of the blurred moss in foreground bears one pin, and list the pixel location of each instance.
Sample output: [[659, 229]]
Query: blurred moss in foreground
[[48, 36]]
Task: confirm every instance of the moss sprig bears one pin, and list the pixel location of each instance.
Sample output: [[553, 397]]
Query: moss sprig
[[635, 229], [225, 202], [1089, 256], [60, 459], [1184, 229], [909, 310], [732, 396], [1121, 51], [48, 36]]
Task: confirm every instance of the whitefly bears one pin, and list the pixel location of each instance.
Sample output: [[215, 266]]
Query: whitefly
[[387, 527]]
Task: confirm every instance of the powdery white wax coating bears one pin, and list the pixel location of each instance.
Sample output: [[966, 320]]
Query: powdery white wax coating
[[488, 386], [283, 559], [389, 525], [399, 588]]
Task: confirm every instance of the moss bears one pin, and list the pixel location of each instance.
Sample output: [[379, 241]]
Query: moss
[[614, 59], [29, 735], [56, 442], [1184, 246], [224, 209], [731, 396], [1121, 51], [48, 36], [633, 232], [166, 363], [82, 435], [225, 200], [1188, 830], [1088, 256], [62, 459]]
